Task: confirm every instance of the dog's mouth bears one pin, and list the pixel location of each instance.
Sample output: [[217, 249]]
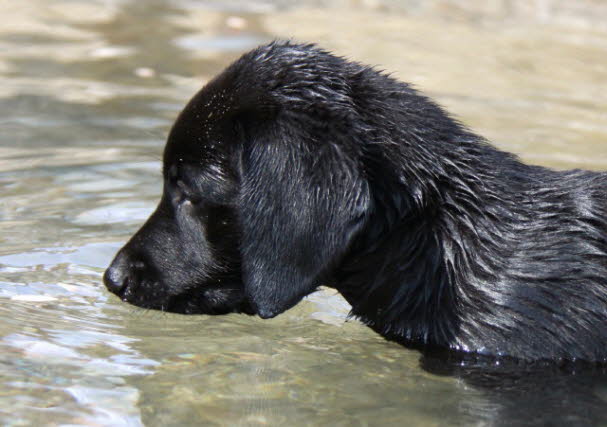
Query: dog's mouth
[[220, 298]]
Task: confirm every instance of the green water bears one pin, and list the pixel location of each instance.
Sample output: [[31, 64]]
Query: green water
[[88, 90]]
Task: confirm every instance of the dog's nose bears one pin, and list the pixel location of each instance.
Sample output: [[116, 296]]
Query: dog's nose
[[115, 277]]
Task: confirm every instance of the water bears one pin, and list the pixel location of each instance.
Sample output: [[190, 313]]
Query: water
[[88, 90]]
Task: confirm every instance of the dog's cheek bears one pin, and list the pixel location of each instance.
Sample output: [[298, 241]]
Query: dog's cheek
[[191, 222], [190, 253]]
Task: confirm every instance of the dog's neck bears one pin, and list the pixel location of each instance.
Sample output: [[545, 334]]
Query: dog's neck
[[403, 290], [430, 260]]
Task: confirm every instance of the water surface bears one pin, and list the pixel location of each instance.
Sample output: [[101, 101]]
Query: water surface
[[88, 91]]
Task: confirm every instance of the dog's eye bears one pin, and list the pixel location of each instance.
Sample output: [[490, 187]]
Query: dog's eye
[[183, 192]]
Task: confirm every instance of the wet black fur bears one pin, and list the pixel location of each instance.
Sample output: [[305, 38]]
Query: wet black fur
[[295, 168]]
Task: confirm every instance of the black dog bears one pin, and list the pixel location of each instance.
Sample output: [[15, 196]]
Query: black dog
[[295, 168]]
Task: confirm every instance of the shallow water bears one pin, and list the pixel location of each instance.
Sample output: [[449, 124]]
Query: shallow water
[[88, 90]]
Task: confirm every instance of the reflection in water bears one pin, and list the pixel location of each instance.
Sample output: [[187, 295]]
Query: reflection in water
[[88, 90], [518, 394]]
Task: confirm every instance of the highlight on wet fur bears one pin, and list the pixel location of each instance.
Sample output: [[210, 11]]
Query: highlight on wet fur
[[296, 168]]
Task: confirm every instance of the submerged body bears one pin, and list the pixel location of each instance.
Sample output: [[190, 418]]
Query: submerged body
[[295, 168]]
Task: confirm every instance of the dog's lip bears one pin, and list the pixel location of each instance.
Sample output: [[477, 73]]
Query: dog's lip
[[128, 290], [184, 303], [266, 314], [192, 299], [125, 293]]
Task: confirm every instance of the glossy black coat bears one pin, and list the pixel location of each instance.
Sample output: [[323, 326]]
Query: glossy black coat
[[295, 168]]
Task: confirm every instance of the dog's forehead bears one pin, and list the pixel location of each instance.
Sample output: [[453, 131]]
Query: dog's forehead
[[203, 132]]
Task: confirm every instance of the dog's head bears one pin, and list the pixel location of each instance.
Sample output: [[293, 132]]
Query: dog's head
[[264, 190]]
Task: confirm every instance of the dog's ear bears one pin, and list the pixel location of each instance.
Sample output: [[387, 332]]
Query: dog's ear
[[302, 201]]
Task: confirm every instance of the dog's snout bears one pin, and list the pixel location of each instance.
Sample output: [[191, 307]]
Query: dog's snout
[[116, 276]]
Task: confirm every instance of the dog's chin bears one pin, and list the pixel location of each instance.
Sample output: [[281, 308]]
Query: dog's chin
[[210, 301], [207, 300]]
